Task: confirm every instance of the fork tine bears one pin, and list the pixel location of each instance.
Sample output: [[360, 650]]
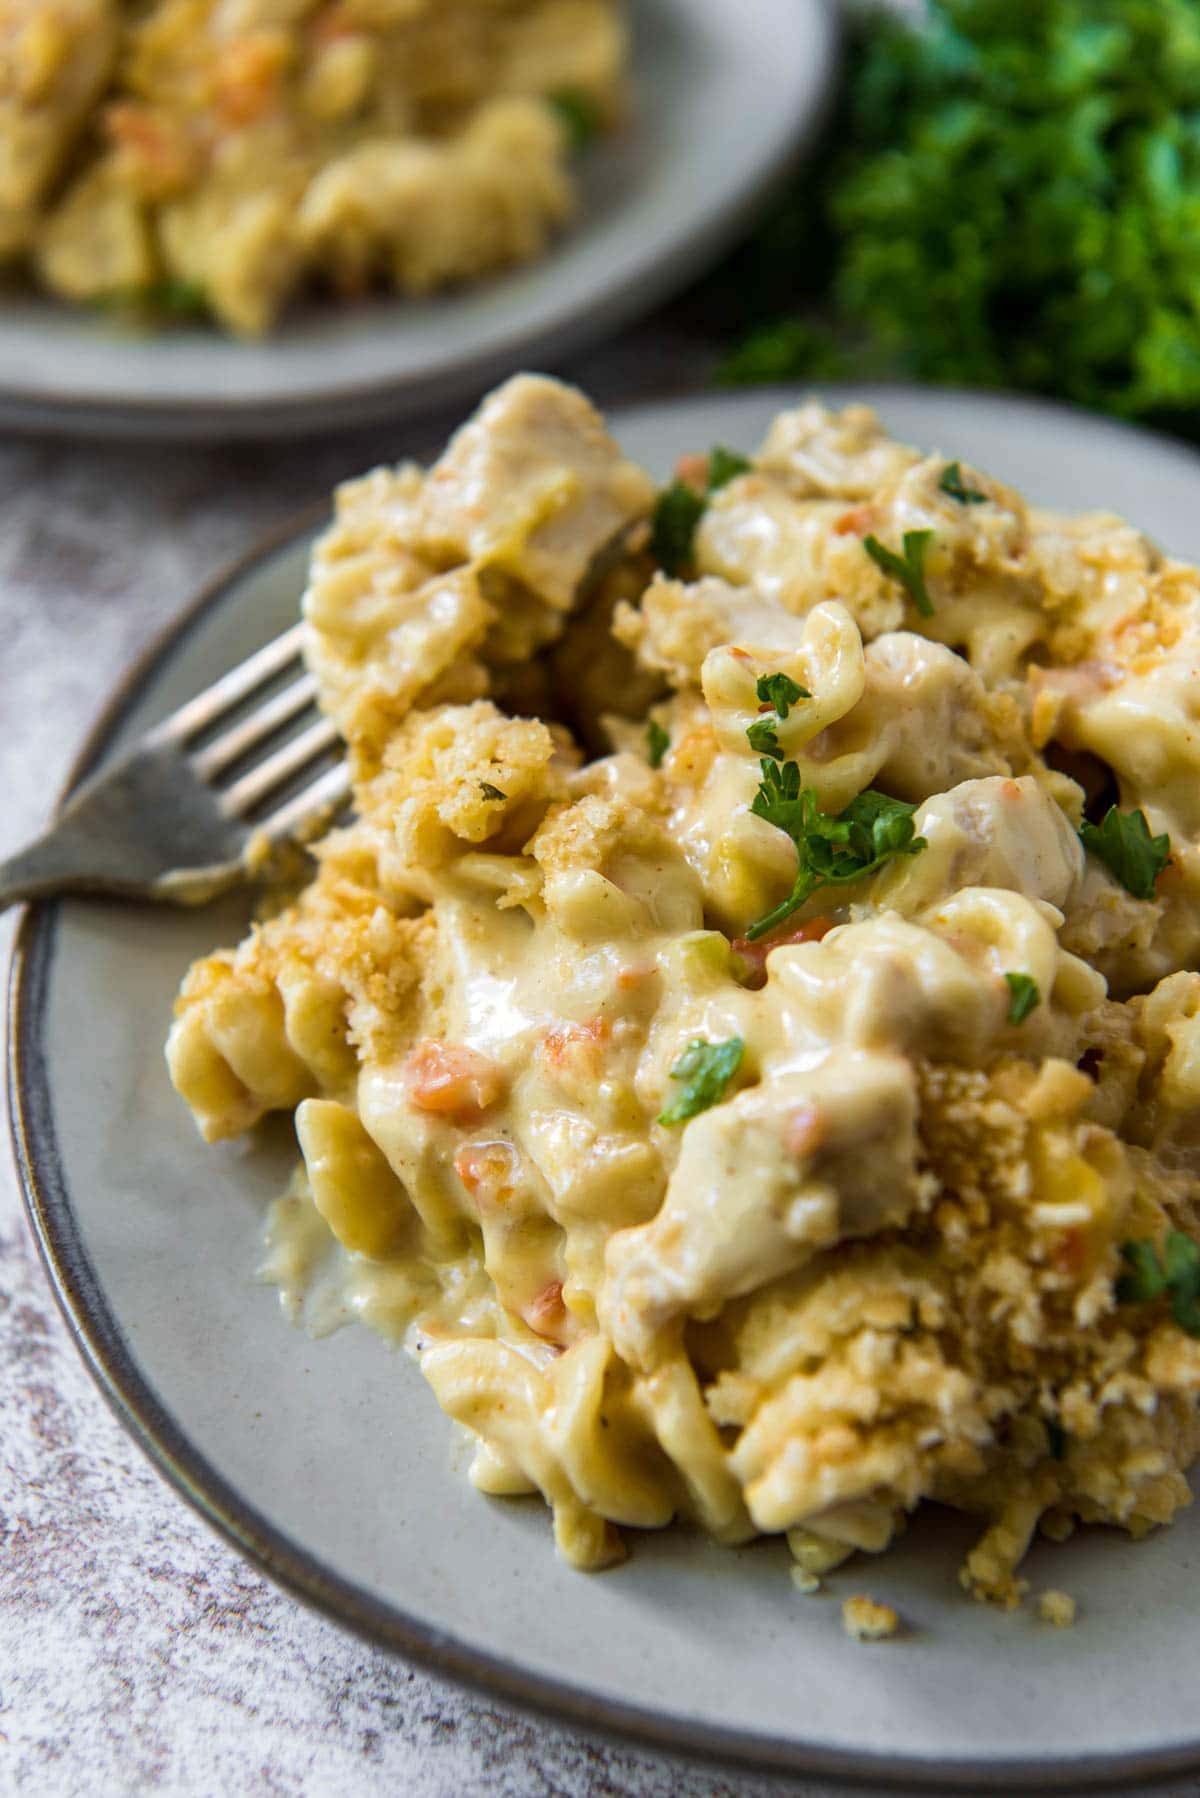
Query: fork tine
[[261, 781], [207, 707], [326, 793], [239, 739]]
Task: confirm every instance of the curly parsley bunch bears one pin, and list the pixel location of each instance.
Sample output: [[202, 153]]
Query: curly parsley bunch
[[1018, 204]]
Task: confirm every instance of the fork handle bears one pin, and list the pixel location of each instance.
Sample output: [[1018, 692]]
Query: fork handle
[[45, 867]]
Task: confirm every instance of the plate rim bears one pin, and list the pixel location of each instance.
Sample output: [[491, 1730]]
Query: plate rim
[[100, 1341], [371, 398]]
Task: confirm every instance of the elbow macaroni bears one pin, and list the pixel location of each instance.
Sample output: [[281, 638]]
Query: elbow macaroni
[[877, 1263]]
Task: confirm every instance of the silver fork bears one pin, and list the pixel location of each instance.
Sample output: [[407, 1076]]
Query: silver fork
[[184, 815]]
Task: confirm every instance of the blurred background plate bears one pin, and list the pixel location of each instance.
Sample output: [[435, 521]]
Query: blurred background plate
[[329, 1464], [725, 94]]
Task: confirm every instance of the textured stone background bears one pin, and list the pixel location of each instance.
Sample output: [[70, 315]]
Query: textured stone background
[[138, 1654]]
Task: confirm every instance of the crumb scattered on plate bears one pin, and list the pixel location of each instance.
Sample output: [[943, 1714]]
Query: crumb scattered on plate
[[867, 1620], [1057, 1608]]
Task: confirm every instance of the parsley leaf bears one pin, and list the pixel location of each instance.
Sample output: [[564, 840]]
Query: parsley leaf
[[1023, 997], [491, 792], [657, 743], [1056, 1438], [1039, 164], [780, 691], [908, 569], [705, 1071], [780, 801], [679, 510], [1177, 1274], [160, 299], [577, 114], [952, 483], [1146, 1280], [830, 851], [724, 465], [1124, 844], [762, 736]]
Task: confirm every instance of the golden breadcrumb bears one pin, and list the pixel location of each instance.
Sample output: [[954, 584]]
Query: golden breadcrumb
[[1057, 1608], [866, 1620]]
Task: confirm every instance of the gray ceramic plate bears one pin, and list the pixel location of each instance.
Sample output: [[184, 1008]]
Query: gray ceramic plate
[[330, 1465], [724, 96]]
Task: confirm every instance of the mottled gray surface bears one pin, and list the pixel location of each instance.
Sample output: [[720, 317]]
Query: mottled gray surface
[[137, 1652]]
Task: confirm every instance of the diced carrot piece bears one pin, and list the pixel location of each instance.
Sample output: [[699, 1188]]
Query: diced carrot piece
[[628, 979], [569, 1041], [452, 1081], [803, 1130], [753, 955], [249, 77], [692, 470], [157, 153], [332, 22], [1071, 1252], [488, 1170], [546, 1314]]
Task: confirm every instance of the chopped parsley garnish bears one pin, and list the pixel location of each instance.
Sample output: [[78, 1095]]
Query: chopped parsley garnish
[[578, 114], [1125, 846], [724, 465], [830, 851], [762, 736], [165, 299], [780, 691], [657, 743], [704, 1071], [1177, 1275], [1023, 997], [908, 569], [1038, 162], [952, 483], [680, 508], [1056, 1439], [491, 792]]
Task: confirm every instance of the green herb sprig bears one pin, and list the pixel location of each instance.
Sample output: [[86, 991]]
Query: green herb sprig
[[763, 737], [1007, 199], [780, 691], [1124, 844], [579, 116], [1056, 1439], [908, 569], [952, 483], [1176, 1276], [166, 299], [657, 743], [1023, 997], [704, 1071], [673, 526], [680, 508], [724, 465], [830, 851]]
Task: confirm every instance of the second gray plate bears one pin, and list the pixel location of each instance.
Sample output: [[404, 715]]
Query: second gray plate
[[724, 95]]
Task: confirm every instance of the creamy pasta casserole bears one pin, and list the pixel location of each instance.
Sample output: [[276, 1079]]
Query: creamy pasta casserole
[[216, 155], [746, 1042]]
